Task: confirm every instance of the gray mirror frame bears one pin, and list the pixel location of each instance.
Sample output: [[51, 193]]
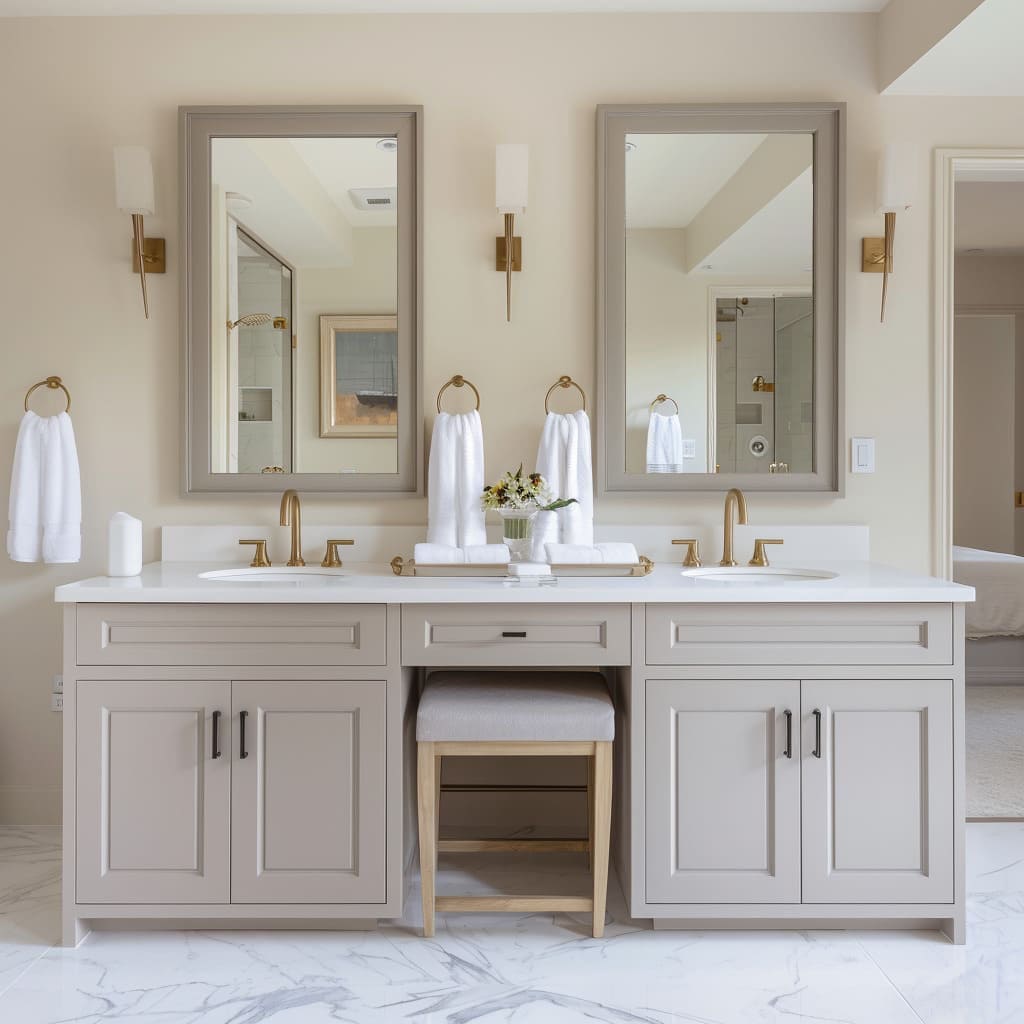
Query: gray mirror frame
[[827, 123], [197, 126]]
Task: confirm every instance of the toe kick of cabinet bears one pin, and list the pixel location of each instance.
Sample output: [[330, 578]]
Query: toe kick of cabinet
[[504, 635]]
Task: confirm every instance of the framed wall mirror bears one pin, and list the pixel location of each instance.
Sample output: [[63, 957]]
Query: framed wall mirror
[[720, 313], [302, 242]]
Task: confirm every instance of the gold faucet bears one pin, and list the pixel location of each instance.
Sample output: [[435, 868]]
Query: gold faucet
[[734, 499], [291, 515]]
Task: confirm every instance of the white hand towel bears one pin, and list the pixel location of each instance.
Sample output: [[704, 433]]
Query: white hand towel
[[25, 533], [664, 444], [564, 460], [456, 481], [61, 492], [487, 554], [618, 553], [438, 554]]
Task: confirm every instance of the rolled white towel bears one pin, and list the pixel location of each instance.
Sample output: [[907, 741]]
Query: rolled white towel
[[600, 554], [487, 554], [529, 569], [545, 532], [438, 554]]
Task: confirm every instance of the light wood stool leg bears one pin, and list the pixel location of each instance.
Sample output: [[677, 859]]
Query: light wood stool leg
[[438, 761], [426, 781], [590, 813], [602, 830]]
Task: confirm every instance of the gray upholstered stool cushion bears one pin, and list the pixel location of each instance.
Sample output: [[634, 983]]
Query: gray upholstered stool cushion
[[515, 706]]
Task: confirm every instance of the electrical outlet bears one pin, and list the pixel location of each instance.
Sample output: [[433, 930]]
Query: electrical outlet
[[56, 701], [58, 684]]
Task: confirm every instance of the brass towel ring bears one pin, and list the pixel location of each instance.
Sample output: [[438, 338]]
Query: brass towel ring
[[565, 381], [458, 381], [52, 383], [664, 398]]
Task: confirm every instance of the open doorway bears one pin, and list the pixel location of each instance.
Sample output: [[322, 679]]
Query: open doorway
[[983, 287]]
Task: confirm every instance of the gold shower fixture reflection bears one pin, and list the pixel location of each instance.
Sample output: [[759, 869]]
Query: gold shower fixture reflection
[[259, 320]]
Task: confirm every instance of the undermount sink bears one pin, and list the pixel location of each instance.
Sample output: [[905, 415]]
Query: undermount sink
[[310, 575], [756, 574]]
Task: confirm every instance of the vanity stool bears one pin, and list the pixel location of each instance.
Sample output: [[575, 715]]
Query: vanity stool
[[518, 714]]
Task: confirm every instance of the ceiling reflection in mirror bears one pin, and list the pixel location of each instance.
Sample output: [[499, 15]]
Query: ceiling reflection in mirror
[[719, 323], [304, 280]]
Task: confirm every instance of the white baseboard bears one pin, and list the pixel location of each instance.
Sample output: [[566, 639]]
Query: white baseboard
[[994, 675], [25, 806]]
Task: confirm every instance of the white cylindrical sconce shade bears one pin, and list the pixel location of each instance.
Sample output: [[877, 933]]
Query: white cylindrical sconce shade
[[133, 179], [896, 178], [511, 176]]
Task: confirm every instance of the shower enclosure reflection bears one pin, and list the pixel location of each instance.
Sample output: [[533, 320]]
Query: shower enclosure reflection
[[764, 384]]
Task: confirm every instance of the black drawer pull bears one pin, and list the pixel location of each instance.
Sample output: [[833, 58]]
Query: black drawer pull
[[514, 634], [216, 734], [817, 733], [242, 716], [789, 733]]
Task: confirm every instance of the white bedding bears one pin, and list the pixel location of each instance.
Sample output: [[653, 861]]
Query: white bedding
[[998, 580]]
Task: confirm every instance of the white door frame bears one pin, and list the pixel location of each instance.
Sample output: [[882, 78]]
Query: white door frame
[[942, 328]]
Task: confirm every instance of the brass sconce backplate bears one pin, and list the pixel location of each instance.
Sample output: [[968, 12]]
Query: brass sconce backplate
[[873, 255], [500, 262], [154, 254]]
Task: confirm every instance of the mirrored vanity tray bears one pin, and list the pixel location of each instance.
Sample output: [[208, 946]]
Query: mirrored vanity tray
[[408, 567]]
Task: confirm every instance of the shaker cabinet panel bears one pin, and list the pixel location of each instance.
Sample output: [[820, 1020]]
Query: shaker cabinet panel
[[723, 791], [308, 823], [152, 802], [877, 791]]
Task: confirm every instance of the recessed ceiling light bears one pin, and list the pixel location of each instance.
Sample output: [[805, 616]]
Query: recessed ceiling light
[[630, 147], [387, 145], [708, 266], [237, 201]]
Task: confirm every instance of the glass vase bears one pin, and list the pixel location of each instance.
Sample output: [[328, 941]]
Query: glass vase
[[517, 531]]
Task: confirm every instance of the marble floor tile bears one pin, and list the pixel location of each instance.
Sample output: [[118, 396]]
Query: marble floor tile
[[29, 898], [512, 968]]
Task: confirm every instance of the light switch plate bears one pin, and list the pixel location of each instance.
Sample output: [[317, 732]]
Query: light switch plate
[[56, 701], [862, 455], [689, 448]]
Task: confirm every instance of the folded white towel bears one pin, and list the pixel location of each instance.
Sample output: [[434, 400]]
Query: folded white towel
[[564, 460], [595, 554], [456, 481], [664, 444], [529, 569], [477, 554], [46, 493]]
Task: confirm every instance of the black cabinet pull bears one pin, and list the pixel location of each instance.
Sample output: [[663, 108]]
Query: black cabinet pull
[[789, 733], [514, 634], [216, 734], [242, 716], [817, 733]]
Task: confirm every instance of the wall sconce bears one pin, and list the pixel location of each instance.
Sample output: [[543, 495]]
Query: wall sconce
[[895, 188], [511, 177], [133, 184]]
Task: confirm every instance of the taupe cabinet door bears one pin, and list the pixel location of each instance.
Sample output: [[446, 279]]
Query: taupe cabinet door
[[308, 822], [877, 807], [153, 816], [723, 799]]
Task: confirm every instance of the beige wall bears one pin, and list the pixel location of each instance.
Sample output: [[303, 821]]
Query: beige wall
[[71, 89]]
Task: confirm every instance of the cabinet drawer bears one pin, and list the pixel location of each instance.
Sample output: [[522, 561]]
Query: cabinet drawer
[[198, 634], [515, 635], [799, 634]]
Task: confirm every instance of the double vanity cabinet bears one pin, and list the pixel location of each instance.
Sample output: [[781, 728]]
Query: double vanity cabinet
[[241, 754]]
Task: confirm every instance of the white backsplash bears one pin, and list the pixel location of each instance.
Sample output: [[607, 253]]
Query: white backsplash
[[219, 544]]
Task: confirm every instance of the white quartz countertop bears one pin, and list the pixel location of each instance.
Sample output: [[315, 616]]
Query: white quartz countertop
[[179, 583]]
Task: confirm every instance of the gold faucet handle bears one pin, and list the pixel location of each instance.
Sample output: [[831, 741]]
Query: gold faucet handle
[[760, 558], [692, 559], [259, 558], [331, 559]]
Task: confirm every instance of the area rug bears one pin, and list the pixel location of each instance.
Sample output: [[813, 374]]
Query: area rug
[[995, 751]]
